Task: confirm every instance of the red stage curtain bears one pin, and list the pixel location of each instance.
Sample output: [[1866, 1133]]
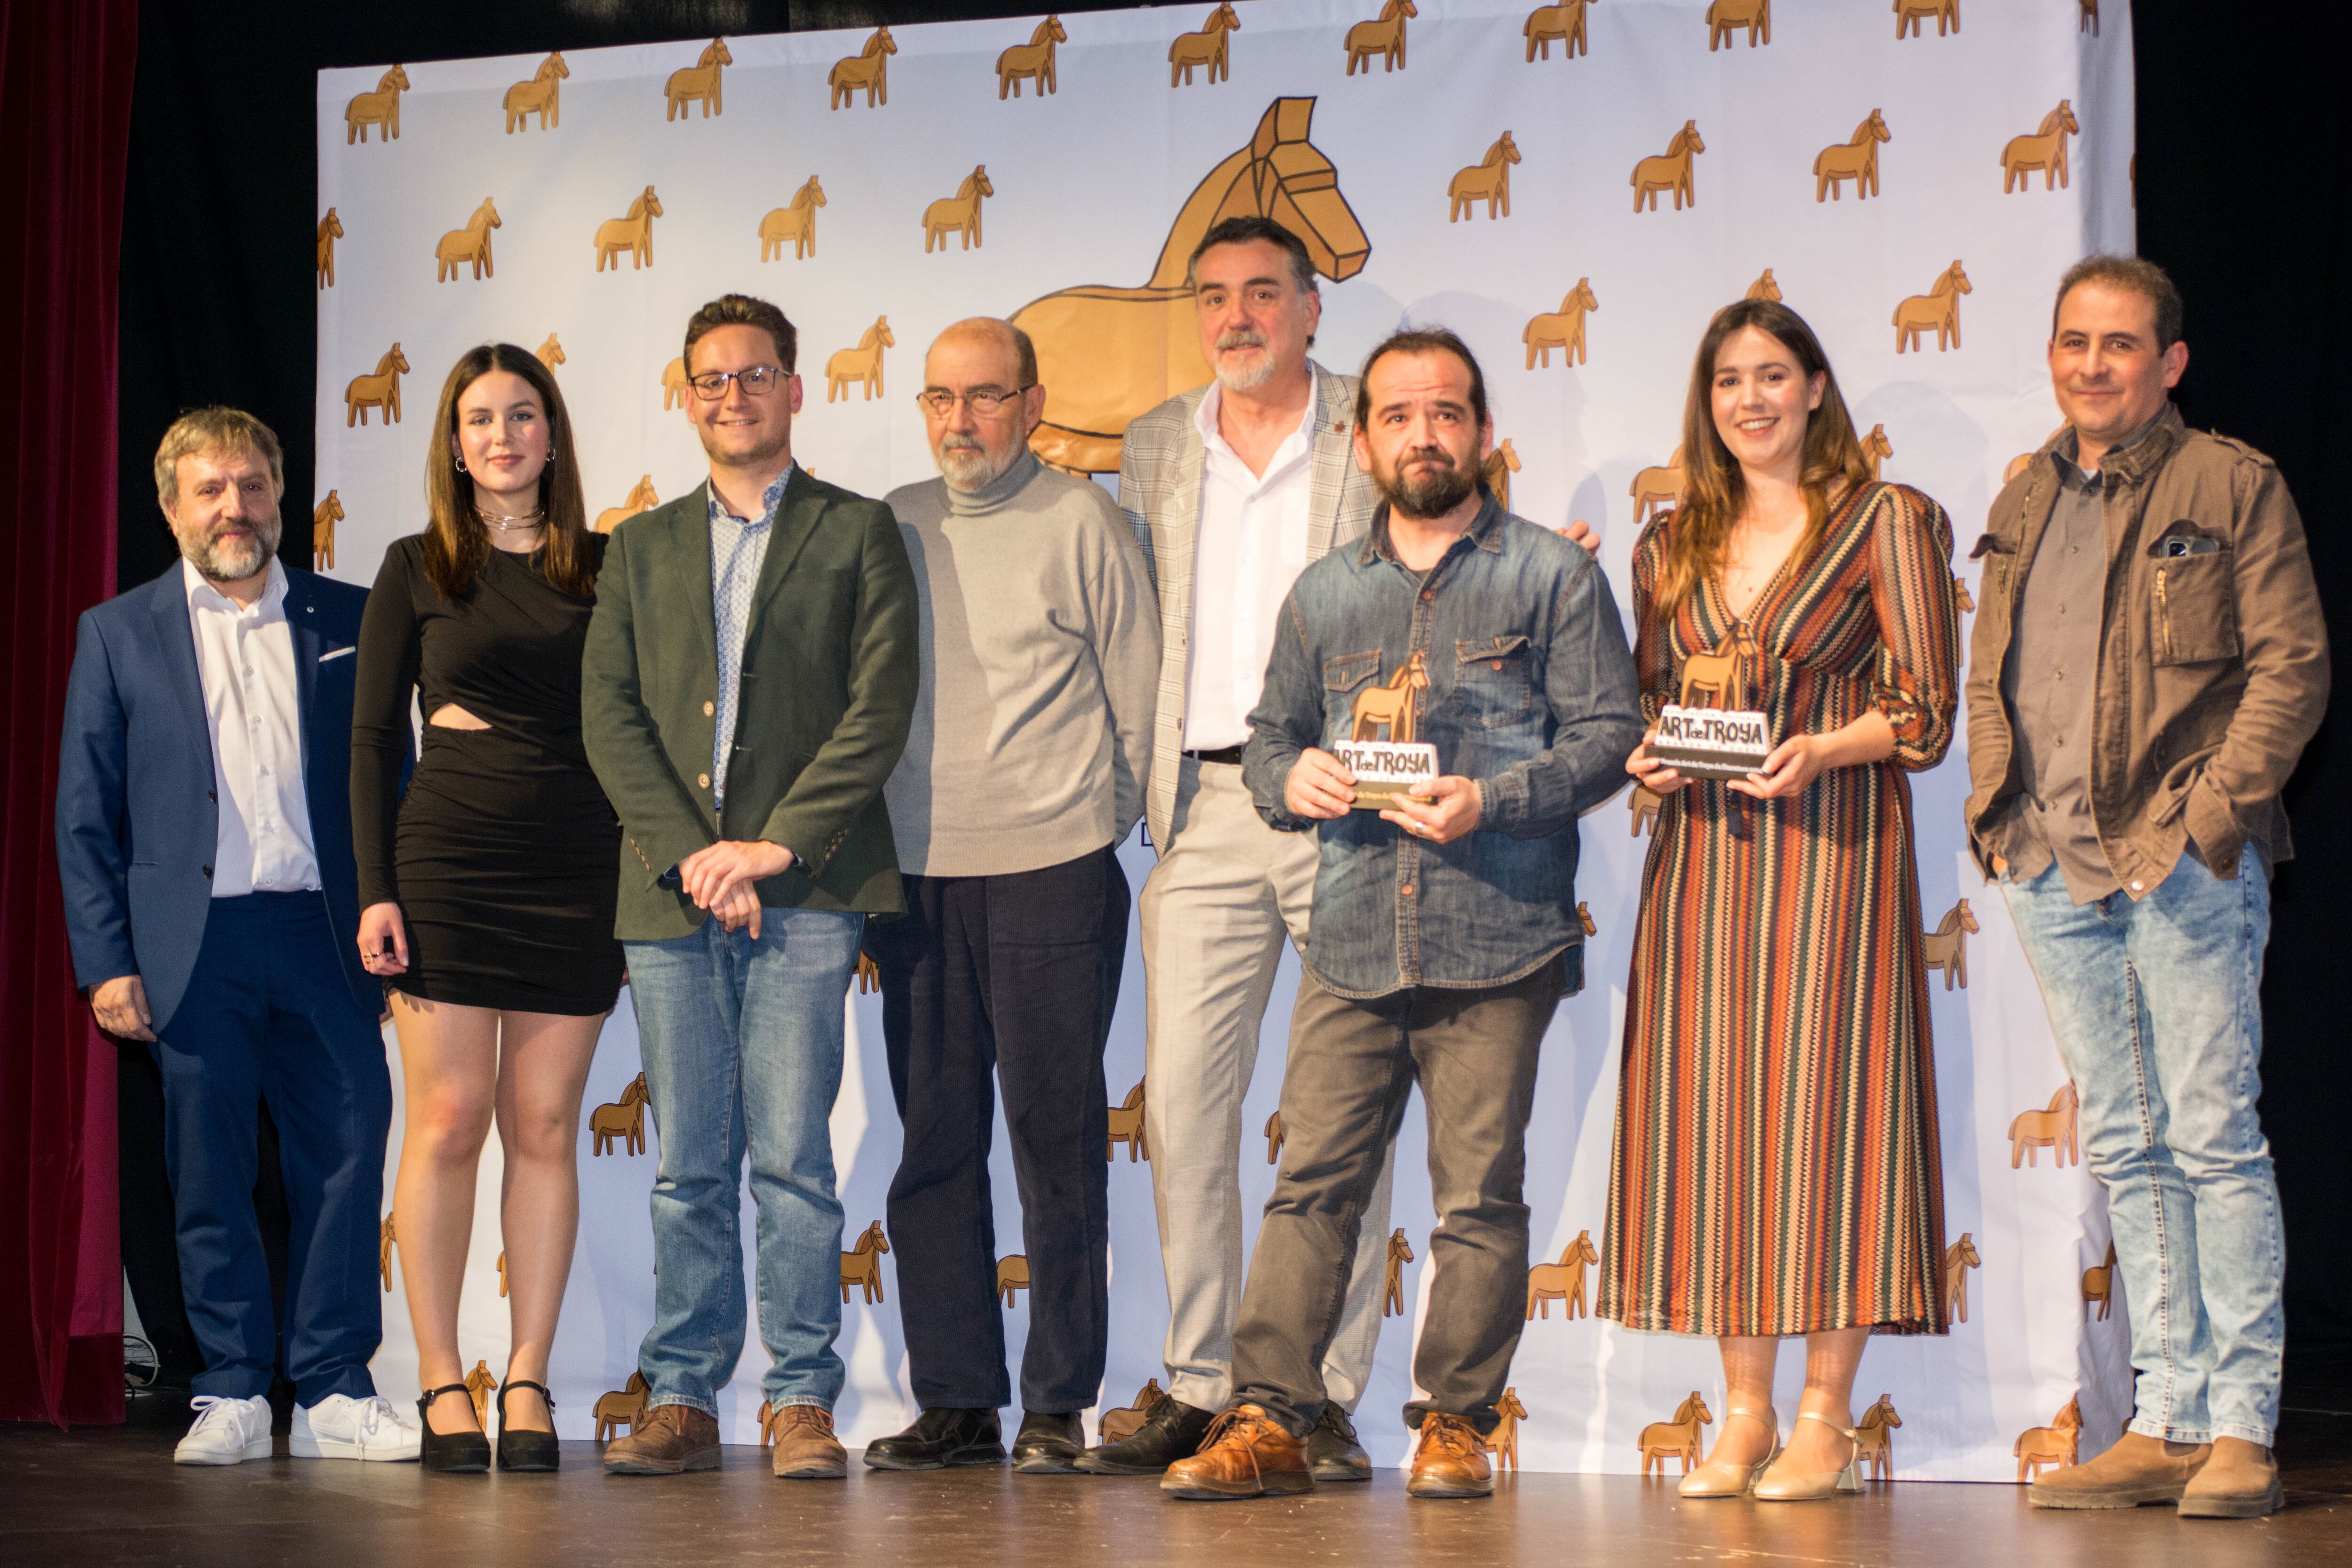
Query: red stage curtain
[[65, 120]]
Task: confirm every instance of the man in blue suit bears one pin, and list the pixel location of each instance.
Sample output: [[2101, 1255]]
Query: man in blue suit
[[204, 842]]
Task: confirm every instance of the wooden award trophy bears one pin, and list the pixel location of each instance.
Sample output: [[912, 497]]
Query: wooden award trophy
[[1703, 736], [1380, 751]]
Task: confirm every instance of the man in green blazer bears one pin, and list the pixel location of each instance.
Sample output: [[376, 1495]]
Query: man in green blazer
[[749, 680]]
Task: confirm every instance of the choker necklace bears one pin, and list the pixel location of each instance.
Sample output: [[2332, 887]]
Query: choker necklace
[[509, 525]]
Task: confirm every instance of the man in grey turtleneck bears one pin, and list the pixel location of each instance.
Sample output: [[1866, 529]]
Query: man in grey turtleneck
[[1023, 772]]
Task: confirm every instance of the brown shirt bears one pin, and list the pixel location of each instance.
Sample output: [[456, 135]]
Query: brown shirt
[[2049, 684]]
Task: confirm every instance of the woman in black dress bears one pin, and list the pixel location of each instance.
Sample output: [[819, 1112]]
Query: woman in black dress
[[488, 888]]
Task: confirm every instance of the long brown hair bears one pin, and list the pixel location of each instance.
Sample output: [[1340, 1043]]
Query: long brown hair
[[1698, 531], [456, 544]]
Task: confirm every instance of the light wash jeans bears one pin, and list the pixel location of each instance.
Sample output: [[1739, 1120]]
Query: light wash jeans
[[742, 1046], [2157, 1010]]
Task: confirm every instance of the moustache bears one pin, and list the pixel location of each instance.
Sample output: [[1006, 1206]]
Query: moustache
[[955, 441], [1241, 338], [1437, 455]]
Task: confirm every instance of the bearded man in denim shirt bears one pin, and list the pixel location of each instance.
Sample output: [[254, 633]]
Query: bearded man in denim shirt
[[1445, 929]]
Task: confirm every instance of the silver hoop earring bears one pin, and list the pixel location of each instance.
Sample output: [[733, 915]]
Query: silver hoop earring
[[460, 464]]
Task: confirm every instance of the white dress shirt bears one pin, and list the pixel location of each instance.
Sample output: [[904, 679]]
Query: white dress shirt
[[1251, 546], [245, 658]]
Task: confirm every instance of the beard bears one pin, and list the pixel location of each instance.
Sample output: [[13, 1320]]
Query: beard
[[1237, 379], [1432, 493], [222, 560], [966, 463], [758, 457]]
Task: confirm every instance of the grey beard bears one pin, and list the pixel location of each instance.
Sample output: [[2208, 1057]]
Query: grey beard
[[972, 468], [221, 564], [1245, 381], [1433, 497]]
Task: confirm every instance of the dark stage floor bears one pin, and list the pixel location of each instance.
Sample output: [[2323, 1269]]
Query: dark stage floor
[[110, 1495]]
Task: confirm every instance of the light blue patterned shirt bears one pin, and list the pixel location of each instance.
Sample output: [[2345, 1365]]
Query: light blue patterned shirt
[[739, 548]]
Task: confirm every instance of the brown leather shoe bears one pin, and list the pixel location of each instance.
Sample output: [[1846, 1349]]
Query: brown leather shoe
[[2137, 1470], [1450, 1460], [671, 1438], [806, 1449], [2240, 1481], [1246, 1454]]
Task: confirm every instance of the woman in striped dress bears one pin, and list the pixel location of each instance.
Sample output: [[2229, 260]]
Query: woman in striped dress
[[1777, 1169]]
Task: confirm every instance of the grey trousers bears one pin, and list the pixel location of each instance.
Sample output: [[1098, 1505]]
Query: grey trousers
[[1227, 893], [1352, 1066]]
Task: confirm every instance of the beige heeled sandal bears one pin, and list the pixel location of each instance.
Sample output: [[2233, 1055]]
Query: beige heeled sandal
[[1729, 1477], [1784, 1485]]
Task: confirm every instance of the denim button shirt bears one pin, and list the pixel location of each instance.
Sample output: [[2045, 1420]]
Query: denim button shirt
[[1531, 695]]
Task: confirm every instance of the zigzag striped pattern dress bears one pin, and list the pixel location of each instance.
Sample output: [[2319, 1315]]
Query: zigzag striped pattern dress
[[1777, 1169]]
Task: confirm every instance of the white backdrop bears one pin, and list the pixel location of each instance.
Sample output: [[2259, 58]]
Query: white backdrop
[[1088, 181]]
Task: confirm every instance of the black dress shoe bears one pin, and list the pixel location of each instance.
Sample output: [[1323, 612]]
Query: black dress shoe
[[462, 1452], [1049, 1445], [941, 1437], [523, 1448], [1171, 1430], [1332, 1452]]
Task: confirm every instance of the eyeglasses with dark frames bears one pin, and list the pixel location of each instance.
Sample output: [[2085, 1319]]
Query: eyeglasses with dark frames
[[757, 381], [985, 401]]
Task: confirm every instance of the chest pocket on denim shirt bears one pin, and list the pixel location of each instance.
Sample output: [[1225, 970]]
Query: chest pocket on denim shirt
[[1494, 683], [1342, 675]]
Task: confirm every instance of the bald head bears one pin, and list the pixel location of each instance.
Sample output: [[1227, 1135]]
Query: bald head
[[980, 400]]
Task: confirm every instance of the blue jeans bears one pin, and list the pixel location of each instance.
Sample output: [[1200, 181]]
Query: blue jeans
[[269, 1016], [743, 1047], [2157, 1010]]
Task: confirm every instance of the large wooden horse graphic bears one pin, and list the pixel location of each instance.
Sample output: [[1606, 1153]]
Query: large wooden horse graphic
[[541, 95], [869, 70], [1012, 1278], [697, 83], [380, 390], [862, 1265], [1503, 1442], [1756, 15], [1562, 1281], [380, 108], [468, 244], [1655, 490], [2044, 150], [632, 234], [1383, 39], [2058, 1443], [550, 353], [1487, 181], [1562, 329], [625, 1406], [1033, 59], [1937, 311], [1677, 1438], [331, 229], [1391, 712], [958, 213], [794, 224], [1874, 1439], [1107, 353], [1564, 21], [1206, 48], [1947, 946], [1876, 449], [1765, 286], [1127, 1127], [1392, 1287], [1855, 159], [1127, 1420], [862, 364], [1959, 1259], [2099, 1285], [1670, 170], [1496, 471], [2054, 1128]]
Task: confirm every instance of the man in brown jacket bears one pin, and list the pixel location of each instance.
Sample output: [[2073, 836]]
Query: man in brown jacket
[[2148, 662]]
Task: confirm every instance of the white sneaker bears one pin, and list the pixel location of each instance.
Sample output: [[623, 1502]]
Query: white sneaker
[[228, 1430], [342, 1427]]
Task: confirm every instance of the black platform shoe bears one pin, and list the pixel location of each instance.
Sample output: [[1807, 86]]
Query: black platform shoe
[[1171, 1430], [526, 1449], [940, 1438], [1332, 1452], [1049, 1445], [459, 1453]]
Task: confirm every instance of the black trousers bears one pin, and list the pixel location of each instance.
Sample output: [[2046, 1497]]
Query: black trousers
[[1018, 972]]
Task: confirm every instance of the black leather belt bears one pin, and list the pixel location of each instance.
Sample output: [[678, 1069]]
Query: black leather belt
[[1231, 756]]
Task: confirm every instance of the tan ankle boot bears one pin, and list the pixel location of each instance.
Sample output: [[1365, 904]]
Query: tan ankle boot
[[806, 1449], [673, 1439], [1783, 1484], [1731, 1478], [2137, 1470], [2240, 1481]]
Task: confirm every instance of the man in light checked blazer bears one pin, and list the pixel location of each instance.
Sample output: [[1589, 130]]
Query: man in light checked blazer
[[1233, 489]]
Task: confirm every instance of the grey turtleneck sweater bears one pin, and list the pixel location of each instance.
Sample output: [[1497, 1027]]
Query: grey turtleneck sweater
[[1039, 646]]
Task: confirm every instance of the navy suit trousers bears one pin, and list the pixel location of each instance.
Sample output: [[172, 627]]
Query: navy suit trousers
[[269, 1016]]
